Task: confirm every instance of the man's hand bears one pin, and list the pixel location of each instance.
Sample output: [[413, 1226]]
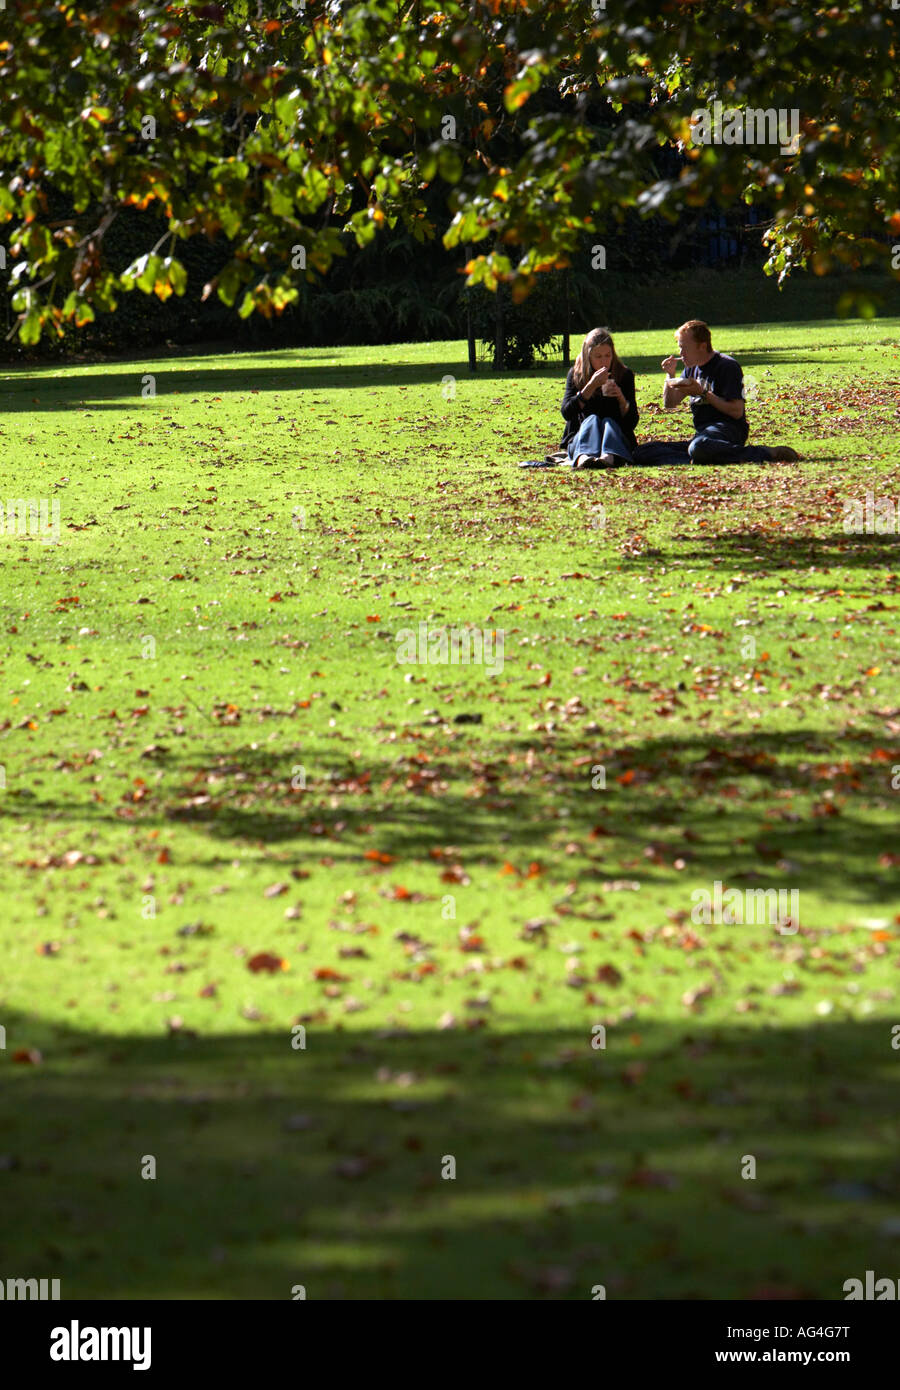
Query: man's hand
[[692, 386], [675, 389], [670, 365], [594, 383]]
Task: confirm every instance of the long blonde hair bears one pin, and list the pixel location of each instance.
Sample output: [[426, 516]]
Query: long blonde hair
[[598, 337]]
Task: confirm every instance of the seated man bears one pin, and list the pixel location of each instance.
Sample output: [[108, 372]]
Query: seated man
[[714, 383]]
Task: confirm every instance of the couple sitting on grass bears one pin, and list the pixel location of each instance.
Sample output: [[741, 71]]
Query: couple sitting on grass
[[600, 410]]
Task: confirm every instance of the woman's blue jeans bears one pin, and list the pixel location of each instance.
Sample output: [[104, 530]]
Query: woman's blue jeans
[[596, 436]]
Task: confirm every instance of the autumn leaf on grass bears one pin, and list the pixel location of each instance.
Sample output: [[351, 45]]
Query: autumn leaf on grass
[[397, 893], [534, 870], [379, 856], [154, 750], [609, 975], [325, 972], [275, 890], [29, 1055], [265, 961], [195, 929], [648, 1177], [175, 1024], [73, 857], [409, 941]]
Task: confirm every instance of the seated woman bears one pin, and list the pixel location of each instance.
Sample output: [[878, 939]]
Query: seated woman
[[599, 406]]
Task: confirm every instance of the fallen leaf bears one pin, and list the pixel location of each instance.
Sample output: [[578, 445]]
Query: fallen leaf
[[264, 961], [28, 1055]]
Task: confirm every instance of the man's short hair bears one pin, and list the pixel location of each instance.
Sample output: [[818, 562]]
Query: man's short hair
[[698, 330]]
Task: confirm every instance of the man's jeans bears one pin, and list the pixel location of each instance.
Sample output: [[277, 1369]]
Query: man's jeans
[[597, 436], [717, 443]]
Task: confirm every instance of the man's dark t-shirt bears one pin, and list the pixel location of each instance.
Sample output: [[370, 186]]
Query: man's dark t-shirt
[[723, 376]]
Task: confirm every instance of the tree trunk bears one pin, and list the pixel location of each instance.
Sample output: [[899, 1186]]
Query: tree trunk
[[499, 339], [470, 331], [568, 322]]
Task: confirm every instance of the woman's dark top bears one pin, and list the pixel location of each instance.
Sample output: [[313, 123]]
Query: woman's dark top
[[575, 410]]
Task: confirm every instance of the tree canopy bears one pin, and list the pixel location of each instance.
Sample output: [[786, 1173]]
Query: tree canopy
[[286, 126]]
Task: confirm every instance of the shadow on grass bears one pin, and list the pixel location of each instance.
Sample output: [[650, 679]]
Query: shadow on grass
[[699, 800], [323, 1166], [45, 389], [775, 550], [640, 465]]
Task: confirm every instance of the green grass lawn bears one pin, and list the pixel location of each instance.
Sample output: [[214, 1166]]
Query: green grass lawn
[[229, 810]]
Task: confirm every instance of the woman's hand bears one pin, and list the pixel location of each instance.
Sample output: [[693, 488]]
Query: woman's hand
[[595, 383], [611, 388]]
